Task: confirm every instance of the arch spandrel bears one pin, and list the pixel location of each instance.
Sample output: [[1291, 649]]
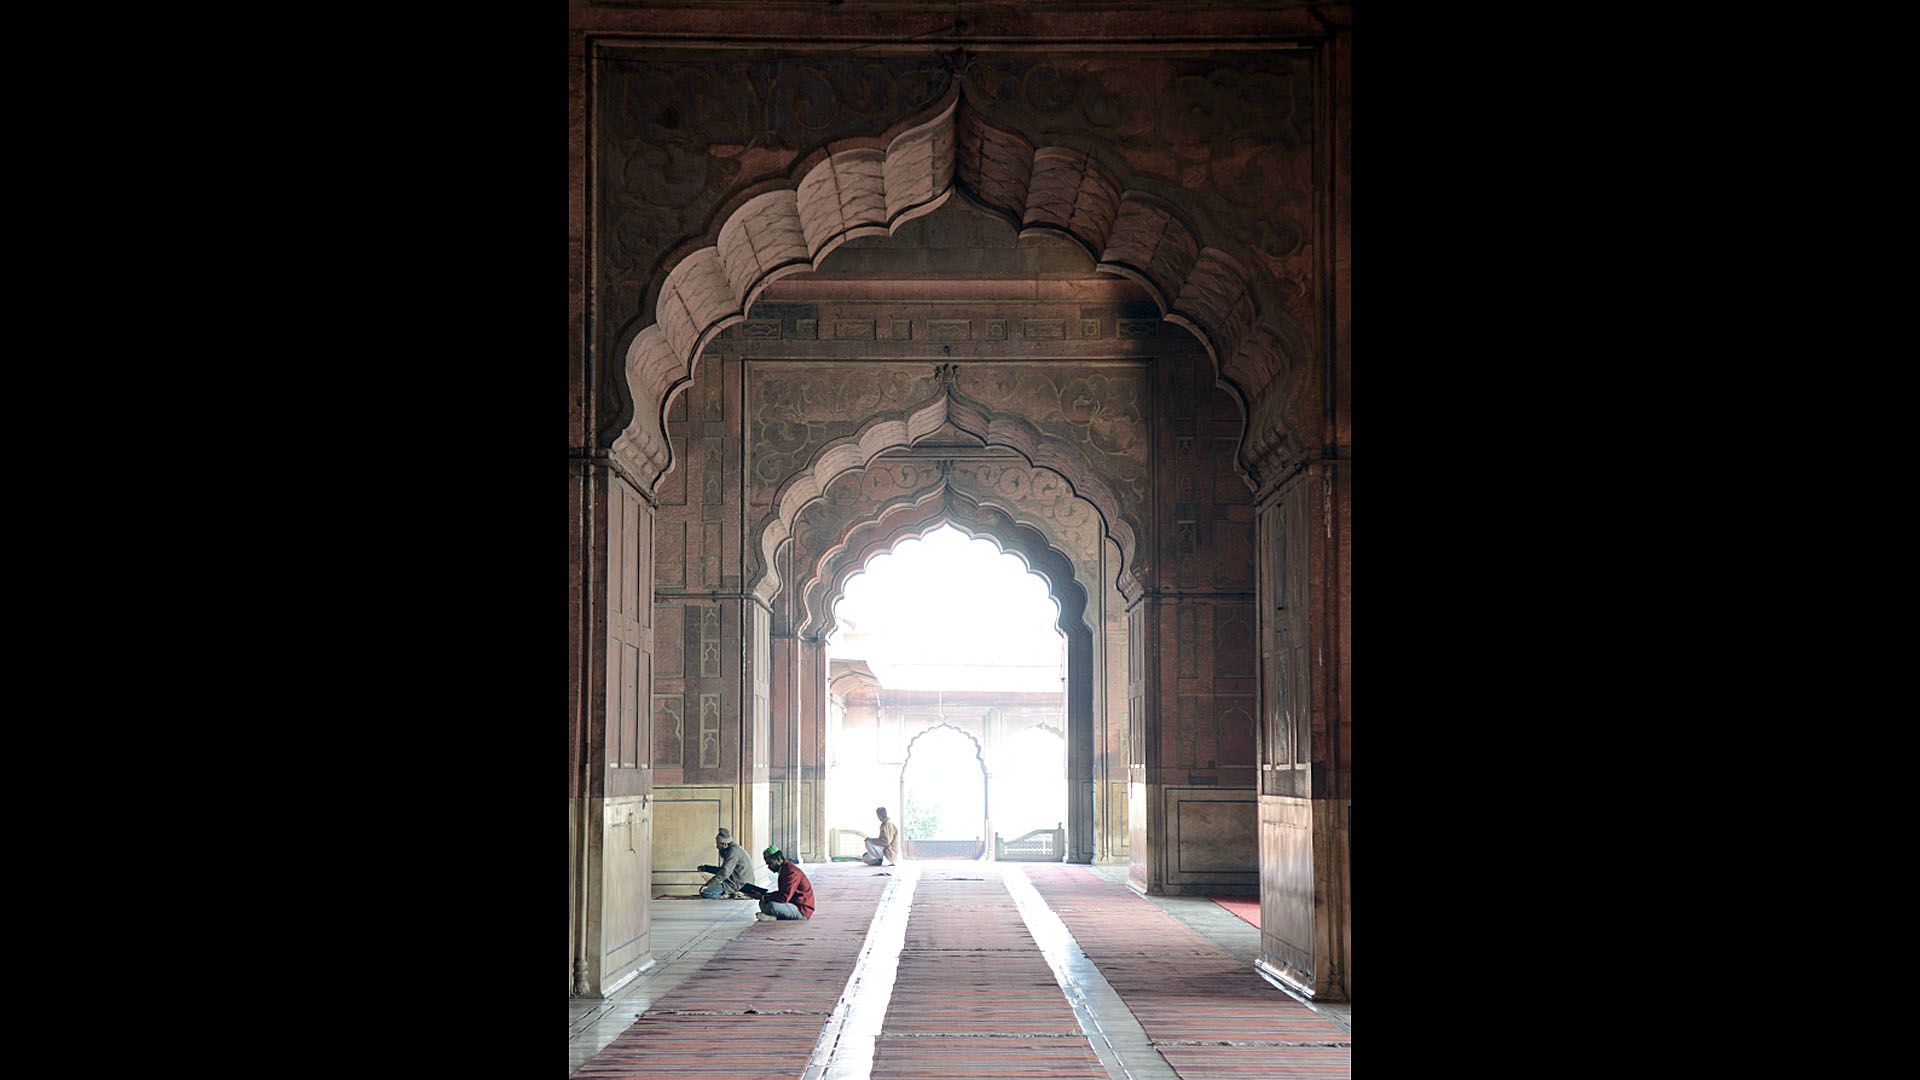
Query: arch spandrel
[[1211, 214], [1121, 509], [1094, 415]]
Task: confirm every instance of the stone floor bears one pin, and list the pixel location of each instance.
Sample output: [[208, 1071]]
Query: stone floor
[[688, 934]]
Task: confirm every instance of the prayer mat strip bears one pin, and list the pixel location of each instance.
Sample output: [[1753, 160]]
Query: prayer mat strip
[[1266, 1062], [757, 1007], [973, 996], [945, 1059], [1183, 989], [1247, 908]]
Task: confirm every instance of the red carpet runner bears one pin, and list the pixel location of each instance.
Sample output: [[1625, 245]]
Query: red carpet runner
[[973, 995], [755, 1009], [1208, 1014], [1246, 907]]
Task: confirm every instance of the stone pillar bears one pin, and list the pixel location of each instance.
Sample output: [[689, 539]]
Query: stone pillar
[[784, 768], [1305, 590], [1144, 832], [1080, 742], [1304, 773], [1111, 778], [610, 812], [1193, 633], [711, 756], [815, 845], [756, 727]]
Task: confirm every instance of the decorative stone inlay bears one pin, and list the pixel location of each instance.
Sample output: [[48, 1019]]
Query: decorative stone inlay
[[995, 330], [1044, 328], [760, 328], [1086, 426], [1090, 328], [806, 329], [1136, 328], [949, 329], [709, 731], [853, 329], [902, 329]]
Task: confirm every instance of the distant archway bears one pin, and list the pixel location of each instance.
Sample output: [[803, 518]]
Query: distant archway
[[1031, 547], [945, 791]]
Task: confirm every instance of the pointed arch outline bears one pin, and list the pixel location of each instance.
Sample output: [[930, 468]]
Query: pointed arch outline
[[907, 427], [824, 585], [873, 186]]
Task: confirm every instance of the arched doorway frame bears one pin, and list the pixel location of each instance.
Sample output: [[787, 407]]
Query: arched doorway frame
[[1134, 228], [868, 539], [592, 721], [979, 759]]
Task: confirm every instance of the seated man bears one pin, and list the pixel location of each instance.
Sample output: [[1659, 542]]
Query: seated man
[[886, 846], [735, 869], [793, 899]]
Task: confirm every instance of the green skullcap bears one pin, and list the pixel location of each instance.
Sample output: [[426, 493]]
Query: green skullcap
[[771, 850]]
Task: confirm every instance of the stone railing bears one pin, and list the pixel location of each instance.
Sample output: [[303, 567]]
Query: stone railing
[[1040, 845]]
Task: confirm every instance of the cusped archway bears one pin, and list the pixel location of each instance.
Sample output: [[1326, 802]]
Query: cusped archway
[[1132, 228], [1122, 512], [870, 539]]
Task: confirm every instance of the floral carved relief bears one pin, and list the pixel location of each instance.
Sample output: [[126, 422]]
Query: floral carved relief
[[1020, 494], [794, 412], [678, 135], [1098, 411], [1238, 134], [800, 413]]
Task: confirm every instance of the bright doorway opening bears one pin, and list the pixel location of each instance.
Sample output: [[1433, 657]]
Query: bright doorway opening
[[948, 670]]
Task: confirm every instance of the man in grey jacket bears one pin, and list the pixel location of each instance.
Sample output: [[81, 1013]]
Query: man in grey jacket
[[734, 870]]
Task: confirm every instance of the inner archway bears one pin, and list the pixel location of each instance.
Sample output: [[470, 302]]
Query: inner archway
[[953, 639], [944, 797]]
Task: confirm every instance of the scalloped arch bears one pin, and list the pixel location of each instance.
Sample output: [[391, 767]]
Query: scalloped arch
[[860, 190], [944, 506], [905, 428], [978, 751], [819, 586]]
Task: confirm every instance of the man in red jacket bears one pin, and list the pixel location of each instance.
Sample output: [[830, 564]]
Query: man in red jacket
[[792, 899]]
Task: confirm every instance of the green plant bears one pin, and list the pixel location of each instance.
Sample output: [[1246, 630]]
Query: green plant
[[922, 822]]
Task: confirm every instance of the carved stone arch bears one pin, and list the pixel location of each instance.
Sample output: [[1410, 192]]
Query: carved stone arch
[[857, 500], [951, 410], [979, 752], [1194, 278], [1054, 566], [881, 533]]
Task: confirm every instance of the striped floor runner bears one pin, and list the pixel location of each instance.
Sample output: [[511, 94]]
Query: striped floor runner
[[1209, 1014], [1247, 908], [973, 995], [757, 1007]]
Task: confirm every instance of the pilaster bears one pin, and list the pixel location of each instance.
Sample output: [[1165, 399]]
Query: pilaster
[[610, 811]]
